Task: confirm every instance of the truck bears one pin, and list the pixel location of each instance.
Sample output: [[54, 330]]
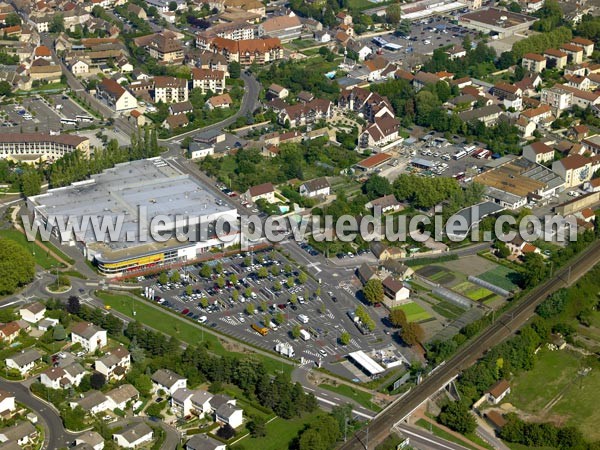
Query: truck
[[305, 335], [285, 349], [259, 329]]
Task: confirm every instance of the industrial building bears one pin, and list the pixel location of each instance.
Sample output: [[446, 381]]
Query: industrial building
[[497, 21], [133, 194]]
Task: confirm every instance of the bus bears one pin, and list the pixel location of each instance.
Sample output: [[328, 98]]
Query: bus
[[460, 155], [81, 118], [66, 121], [379, 41], [260, 330]]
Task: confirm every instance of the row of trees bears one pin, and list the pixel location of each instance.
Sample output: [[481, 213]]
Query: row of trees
[[17, 266]]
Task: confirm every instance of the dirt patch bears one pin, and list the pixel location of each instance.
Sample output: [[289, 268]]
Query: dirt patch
[[429, 271]]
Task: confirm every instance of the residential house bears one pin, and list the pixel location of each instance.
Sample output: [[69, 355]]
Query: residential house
[[133, 435], [7, 404], [319, 187], [579, 132], [586, 44], [555, 59], [576, 169], [581, 98], [456, 51], [306, 113], [181, 402], [174, 122], [137, 11], [383, 131], [91, 438], [204, 442], [511, 95], [399, 270], [498, 391], [117, 97], [395, 289], [229, 414], [365, 273], [90, 336], [114, 364], [168, 381], [120, 396], [92, 402], [176, 109], [322, 36], [423, 79], [387, 203], [525, 127], [198, 150], [305, 97], [519, 247], [46, 324], [170, 89], [574, 53], [209, 80], [24, 361], [137, 118], [542, 115], [592, 143], [219, 102], [124, 65], [201, 403], [578, 81], [558, 98], [79, 66], [286, 28], [32, 312], [23, 433], [487, 114], [366, 103], [63, 377], [385, 253], [533, 62], [264, 191], [538, 152], [344, 18], [529, 85], [379, 68], [277, 91]]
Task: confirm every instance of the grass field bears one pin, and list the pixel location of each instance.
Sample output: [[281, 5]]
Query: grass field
[[41, 257], [181, 328], [414, 312], [447, 309], [472, 291], [280, 433], [437, 431], [361, 397], [502, 277]]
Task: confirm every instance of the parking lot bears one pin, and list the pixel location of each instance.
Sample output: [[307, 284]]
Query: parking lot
[[424, 38], [281, 302], [36, 114]]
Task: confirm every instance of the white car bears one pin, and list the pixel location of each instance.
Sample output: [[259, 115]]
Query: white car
[[202, 319]]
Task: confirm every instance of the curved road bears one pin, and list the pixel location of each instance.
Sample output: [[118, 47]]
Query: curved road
[[55, 434], [501, 329]]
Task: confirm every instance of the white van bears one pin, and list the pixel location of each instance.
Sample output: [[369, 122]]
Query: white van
[[302, 318]]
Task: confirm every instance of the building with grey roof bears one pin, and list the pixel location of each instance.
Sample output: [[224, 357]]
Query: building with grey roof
[[133, 194], [203, 442], [133, 435], [23, 361]]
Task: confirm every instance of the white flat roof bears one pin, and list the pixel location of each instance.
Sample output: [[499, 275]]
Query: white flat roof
[[366, 362]]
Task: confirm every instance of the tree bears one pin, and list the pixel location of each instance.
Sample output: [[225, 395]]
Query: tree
[[302, 278], [12, 19], [280, 318], [257, 427], [17, 266], [290, 282], [263, 306], [143, 383], [175, 277], [57, 24], [275, 270], [73, 305], [250, 309], [220, 282], [97, 380], [219, 268], [373, 291], [59, 333], [247, 262], [535, 270], [5, 88], [377, 186], [226, 432], [233, 278], [393, 13], [404, 28], [205, 271], [293, 299], [345, 338], [502, 250], [235, 295], [296, 331], [163, 278], [31, 182], [248, 292], [287, 269], [172, 6], [188, 290], [412, 333], [458, 417], [398, 317], [277, 286], [235, 69], [262, 272]]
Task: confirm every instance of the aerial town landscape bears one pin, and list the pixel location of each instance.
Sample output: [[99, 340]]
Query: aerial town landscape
[[304, 225]]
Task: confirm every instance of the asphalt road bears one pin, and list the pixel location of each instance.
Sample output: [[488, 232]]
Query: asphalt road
[[501, 329], [55, 434]]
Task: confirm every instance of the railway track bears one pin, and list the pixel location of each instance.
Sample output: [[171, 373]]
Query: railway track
[[502, 328]]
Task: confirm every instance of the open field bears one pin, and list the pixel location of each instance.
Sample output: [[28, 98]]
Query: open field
[[182, 328], [502, 277], [437, 274], [361, 397], [472, 291], [414, 312], [279, 433], [42, 258]]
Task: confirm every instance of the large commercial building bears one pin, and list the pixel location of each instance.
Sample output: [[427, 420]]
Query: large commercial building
[[134, 196], [34, 147], [496, 21]]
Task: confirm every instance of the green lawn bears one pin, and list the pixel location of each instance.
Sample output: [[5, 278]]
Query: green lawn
[[40, 255], [414, 312], [501, 276], [361, 397], [472, 291], [181, 328], [447, 309], [437, 431], [280, 434]]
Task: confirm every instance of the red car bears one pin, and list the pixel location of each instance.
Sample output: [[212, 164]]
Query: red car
[[185, 311]]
